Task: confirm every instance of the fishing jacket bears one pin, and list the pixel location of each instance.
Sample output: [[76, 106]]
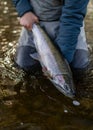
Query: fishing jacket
[[71, 14]]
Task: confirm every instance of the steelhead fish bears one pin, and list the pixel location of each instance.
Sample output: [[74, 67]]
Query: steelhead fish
[[53, 64]]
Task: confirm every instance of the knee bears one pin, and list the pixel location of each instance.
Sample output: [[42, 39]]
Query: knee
[[81, 59]]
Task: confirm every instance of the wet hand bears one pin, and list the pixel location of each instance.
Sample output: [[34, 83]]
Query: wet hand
[[28, 19]]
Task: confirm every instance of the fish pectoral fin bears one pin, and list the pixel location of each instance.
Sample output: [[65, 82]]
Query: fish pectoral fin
[[35, 56]]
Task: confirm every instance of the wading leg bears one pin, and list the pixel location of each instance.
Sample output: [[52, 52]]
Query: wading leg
[[24, 49]]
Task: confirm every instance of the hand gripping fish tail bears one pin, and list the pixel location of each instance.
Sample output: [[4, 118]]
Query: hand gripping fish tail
[[53, 64]]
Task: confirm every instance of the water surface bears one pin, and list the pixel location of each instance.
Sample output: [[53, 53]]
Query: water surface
[[30, 103]]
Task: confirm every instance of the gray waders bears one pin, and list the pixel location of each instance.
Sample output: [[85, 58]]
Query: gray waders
[[26, 47]]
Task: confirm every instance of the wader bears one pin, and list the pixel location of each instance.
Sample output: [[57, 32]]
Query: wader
[[49, 13]]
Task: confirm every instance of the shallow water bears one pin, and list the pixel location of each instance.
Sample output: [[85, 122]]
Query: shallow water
[[30, 103]]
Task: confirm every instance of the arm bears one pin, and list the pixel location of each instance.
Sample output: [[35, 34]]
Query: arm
[[22, 6], [24, 9], [73, 13]]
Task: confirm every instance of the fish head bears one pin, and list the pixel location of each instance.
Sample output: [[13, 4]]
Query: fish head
[[62, 86], [63, 83]]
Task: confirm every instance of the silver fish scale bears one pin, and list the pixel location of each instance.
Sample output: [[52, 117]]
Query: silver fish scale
[[49, 55], [45, 53], [57, 59]]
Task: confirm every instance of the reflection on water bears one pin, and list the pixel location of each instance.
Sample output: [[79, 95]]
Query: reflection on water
[[30, 103]]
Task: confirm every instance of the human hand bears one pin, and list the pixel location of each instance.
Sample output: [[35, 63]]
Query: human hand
[[28, 19]]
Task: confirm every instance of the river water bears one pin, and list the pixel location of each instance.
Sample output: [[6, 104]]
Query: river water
[[30, 103]]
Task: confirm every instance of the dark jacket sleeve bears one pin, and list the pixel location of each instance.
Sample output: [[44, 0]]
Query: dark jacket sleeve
[[73, 13], [22, 6]]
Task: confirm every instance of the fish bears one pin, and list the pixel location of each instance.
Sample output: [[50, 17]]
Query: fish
[[54, 65]]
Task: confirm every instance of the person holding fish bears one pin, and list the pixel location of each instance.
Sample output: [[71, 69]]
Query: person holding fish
[[63, 21]]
